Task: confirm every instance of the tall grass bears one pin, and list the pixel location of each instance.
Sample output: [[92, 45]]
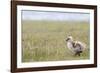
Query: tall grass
[[45, 40]]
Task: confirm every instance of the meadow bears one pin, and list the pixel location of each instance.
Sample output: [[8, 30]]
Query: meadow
[[46, 40]]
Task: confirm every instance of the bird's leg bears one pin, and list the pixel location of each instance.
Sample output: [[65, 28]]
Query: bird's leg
[[77, 53]]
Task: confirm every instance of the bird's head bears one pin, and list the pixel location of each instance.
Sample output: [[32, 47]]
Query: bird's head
[[69, 38]]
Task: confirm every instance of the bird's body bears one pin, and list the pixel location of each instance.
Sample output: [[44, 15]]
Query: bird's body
[[75, 46]]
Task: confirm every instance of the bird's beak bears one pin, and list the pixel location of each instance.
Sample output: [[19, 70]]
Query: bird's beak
[[67, 39]]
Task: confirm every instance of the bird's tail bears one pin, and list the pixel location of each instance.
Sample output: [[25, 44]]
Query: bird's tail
[[83, 46]]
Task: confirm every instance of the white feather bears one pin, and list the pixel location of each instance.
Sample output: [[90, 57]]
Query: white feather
[[76, 48]]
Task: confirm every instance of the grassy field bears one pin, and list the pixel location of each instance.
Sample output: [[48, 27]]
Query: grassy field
[[45, 40]]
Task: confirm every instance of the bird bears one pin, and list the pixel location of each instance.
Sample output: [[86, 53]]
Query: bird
[[76, 47]]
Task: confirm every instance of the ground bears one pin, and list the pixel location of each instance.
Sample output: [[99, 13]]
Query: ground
[[46, 40]]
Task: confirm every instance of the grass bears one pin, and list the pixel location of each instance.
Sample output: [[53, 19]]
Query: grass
[[45, 40]]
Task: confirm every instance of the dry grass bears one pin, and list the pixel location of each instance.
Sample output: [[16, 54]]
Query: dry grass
[[45, 40]]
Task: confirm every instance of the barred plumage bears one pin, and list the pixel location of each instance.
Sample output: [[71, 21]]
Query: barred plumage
[[76, 47]]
